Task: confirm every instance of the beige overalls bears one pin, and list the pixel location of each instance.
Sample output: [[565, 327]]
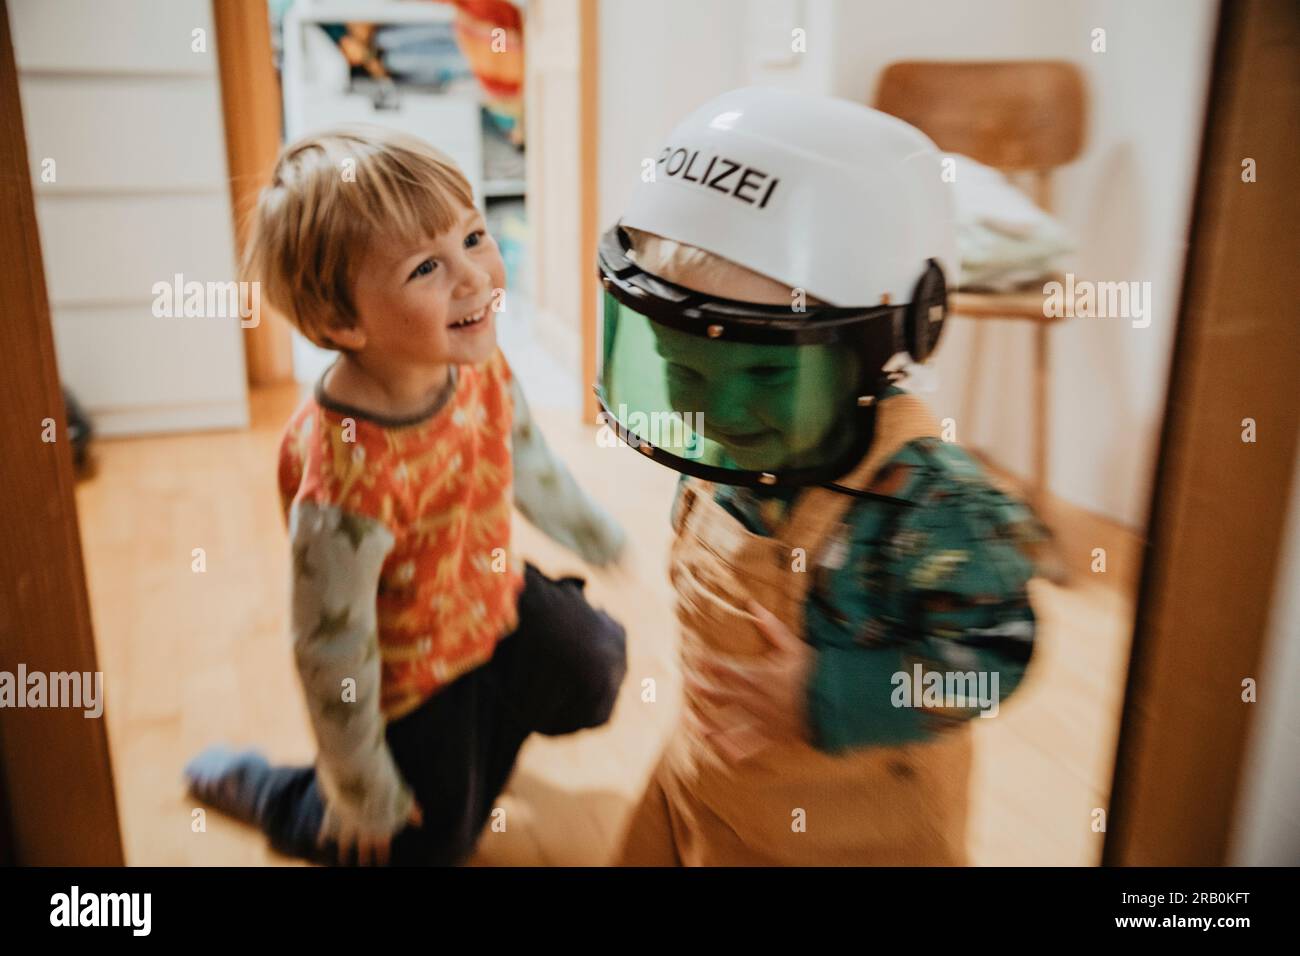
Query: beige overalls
[[791, 804]]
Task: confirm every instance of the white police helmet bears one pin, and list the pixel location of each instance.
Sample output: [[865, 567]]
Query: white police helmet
[[840, 203]]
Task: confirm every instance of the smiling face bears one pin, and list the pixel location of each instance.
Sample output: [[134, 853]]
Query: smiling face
[[767, 406], [430, 303]]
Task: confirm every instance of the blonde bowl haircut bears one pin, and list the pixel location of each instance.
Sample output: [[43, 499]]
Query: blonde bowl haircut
[[706, 272], [333, 196]]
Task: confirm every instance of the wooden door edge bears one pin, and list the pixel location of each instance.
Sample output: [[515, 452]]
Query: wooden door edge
[[59, 803], [1185, 728]]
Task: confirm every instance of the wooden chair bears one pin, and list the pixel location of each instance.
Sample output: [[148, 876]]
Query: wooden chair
[[1025, 118]]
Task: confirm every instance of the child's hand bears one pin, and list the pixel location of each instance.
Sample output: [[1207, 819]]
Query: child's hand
[[371, 848], [619, 563], [606, 546], [755, 702]]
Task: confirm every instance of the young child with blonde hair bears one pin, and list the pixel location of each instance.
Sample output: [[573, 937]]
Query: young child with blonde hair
[[427, 651]]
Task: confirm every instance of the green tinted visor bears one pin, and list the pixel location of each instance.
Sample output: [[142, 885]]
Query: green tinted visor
[[738, 393]]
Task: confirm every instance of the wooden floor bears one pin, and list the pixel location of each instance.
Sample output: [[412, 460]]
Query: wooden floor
[[193, 658]]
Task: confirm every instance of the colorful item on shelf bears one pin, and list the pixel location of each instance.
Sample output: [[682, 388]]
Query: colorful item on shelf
[[491, 35]]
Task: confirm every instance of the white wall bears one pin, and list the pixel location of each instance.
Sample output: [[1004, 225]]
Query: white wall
[[660, 61], [657, 63], [1127, 200]]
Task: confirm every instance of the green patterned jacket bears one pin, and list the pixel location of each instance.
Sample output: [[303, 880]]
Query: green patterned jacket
[[940, 584]]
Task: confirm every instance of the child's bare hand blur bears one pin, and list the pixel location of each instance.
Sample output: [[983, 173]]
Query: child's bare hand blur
[[621, 567], [757, 702], [371, 849]]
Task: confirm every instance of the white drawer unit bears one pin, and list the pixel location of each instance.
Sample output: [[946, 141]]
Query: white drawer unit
[[126, 133], [121, 36], [126, 140]]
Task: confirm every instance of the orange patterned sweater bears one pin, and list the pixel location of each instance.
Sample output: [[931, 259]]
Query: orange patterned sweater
[[441, 486]]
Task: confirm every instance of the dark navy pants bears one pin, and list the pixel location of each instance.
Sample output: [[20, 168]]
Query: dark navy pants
[[557, 673]]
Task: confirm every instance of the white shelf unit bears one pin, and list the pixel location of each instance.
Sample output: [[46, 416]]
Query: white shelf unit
[[315, 80]]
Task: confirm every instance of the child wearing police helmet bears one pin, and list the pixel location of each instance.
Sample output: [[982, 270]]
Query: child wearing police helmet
[[850, 588]]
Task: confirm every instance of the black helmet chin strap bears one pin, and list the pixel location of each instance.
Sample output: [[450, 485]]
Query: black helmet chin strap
[[856, 493], [882, 385]]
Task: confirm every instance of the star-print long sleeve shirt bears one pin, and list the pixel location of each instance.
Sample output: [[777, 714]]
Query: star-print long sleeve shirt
[[940, 582], [403, 573]]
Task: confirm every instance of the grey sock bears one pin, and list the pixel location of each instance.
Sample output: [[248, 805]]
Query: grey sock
[[230, 780]]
